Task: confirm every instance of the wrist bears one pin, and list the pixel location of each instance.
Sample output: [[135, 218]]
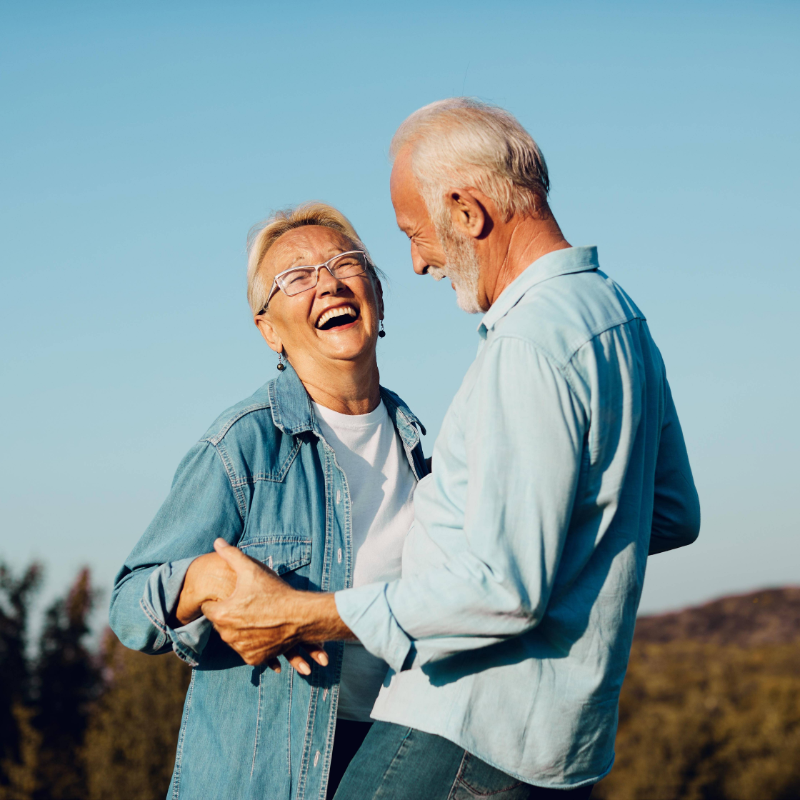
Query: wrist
[[316, 619]]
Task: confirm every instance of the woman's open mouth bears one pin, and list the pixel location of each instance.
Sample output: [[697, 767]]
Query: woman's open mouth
[[337, 318]]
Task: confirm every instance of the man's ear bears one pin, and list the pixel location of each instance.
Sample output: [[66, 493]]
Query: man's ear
[[467, 213], [269, 333]]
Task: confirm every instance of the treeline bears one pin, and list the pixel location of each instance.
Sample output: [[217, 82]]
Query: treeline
[[708, 722], [77, 724], [710, 709]]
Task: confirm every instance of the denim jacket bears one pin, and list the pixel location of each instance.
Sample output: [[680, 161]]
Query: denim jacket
[[265, 479]]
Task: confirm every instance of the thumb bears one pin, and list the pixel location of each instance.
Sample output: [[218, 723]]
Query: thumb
[[232, 556]]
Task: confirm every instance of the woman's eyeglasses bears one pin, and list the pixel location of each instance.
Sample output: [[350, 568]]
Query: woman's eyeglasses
[[301, 279]]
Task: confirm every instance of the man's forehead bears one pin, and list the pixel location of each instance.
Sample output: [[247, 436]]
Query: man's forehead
[[402, 178], [406, 197]]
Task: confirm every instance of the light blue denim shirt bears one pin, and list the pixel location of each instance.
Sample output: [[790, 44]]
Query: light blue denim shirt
[[264, 478], [559, 466]]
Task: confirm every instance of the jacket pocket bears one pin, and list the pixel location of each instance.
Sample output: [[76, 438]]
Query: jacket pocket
[[280, 553]]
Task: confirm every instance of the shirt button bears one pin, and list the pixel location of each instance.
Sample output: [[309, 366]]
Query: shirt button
[[339, 555], [316, 758], [338, 496]]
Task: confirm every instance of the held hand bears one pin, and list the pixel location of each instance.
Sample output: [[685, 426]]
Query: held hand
[[255, 619], [208, 578]]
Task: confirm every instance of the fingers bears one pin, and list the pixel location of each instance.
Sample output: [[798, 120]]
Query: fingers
[[292, 655], [298, 659], [317, 652], [232, 556], [274, 665]]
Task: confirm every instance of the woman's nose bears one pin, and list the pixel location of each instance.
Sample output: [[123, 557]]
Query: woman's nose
[[327, 284]]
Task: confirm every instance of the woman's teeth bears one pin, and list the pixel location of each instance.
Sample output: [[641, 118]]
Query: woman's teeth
[[336, 312]]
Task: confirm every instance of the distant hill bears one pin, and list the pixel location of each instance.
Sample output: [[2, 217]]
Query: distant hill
[[710, 707], [771, 616]]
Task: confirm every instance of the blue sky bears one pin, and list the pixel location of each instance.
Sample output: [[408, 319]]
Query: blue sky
[[142, 140]]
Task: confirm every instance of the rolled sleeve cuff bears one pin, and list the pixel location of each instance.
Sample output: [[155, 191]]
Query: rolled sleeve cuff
[[159, 601], [367, 613]]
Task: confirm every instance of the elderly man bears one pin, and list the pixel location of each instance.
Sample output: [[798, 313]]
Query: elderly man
[[560, 466]]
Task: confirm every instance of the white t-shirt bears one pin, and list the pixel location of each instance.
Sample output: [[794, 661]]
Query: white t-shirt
[[381, 484]]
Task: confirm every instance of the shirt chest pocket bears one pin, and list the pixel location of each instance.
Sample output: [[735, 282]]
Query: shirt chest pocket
[[289, 556]]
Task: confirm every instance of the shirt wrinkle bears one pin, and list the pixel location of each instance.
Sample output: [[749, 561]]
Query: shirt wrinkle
[[520, 494]]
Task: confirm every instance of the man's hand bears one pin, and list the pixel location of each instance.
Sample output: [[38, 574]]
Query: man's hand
[[264, 617]]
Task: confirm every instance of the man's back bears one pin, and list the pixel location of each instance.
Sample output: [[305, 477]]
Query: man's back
[[523, 571]]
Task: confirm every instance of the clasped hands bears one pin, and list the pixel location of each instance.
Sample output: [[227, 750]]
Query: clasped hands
[[254, 611]]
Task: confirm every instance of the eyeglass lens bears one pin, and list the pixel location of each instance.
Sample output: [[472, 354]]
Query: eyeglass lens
[[347, 265]]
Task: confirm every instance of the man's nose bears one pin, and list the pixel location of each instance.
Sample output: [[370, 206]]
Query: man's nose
[[327, 284], [417, 261]]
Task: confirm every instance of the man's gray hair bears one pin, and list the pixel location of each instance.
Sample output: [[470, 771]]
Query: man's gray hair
[[463, 142]]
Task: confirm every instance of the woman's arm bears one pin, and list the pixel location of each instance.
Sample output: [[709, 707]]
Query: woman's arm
[[201, 506]]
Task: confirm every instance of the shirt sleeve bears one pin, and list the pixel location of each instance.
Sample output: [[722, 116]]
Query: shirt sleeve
[[676, 506], [523, 457], [200, 507]]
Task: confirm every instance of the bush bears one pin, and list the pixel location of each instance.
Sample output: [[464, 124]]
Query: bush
[[133, 733], [708, 722]]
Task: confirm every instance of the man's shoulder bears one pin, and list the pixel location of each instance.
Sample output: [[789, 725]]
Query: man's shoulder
[[561, 315]]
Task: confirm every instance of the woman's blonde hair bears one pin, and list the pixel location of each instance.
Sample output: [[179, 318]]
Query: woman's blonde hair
[[264, 235]]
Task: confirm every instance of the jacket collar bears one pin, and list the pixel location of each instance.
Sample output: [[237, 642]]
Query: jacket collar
[[290, 403], [559, 262], [293, 413]]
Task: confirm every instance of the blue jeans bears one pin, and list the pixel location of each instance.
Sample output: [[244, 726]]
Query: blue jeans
[[396, 763]]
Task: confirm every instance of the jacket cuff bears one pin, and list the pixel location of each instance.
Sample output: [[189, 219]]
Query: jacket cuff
[[367, 613], [159, 601]]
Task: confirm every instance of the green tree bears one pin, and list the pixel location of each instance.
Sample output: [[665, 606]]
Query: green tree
[[66, 681], [18, 739], [133, 734]]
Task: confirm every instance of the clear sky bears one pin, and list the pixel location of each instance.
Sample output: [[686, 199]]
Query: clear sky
[[140, 141]]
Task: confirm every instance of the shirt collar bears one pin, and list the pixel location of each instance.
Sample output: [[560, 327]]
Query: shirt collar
[[292, 411], [559, 262]]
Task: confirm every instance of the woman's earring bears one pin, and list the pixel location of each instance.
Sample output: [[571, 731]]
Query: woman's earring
[[281, 365], [381, 332]]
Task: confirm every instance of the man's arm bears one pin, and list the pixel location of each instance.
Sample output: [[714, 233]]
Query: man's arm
[[676, 506], [523, 465]]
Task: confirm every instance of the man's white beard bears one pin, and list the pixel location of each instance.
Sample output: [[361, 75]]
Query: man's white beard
[[462, 267]]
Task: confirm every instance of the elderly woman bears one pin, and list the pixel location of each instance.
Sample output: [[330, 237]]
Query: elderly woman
[[312, 476]]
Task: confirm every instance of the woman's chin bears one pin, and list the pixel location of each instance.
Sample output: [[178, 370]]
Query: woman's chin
[[348, 349]]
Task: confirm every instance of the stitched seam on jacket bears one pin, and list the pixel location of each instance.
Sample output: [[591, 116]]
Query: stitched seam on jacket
[[274, 477], [220, 435], [159, 625], [182, 738], [241, 505], [258, 724]]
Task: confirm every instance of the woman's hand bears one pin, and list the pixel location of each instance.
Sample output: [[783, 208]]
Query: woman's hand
[[208, 578]]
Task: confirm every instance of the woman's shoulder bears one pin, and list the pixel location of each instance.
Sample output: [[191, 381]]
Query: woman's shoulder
[[254, 413], [399, 411]]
